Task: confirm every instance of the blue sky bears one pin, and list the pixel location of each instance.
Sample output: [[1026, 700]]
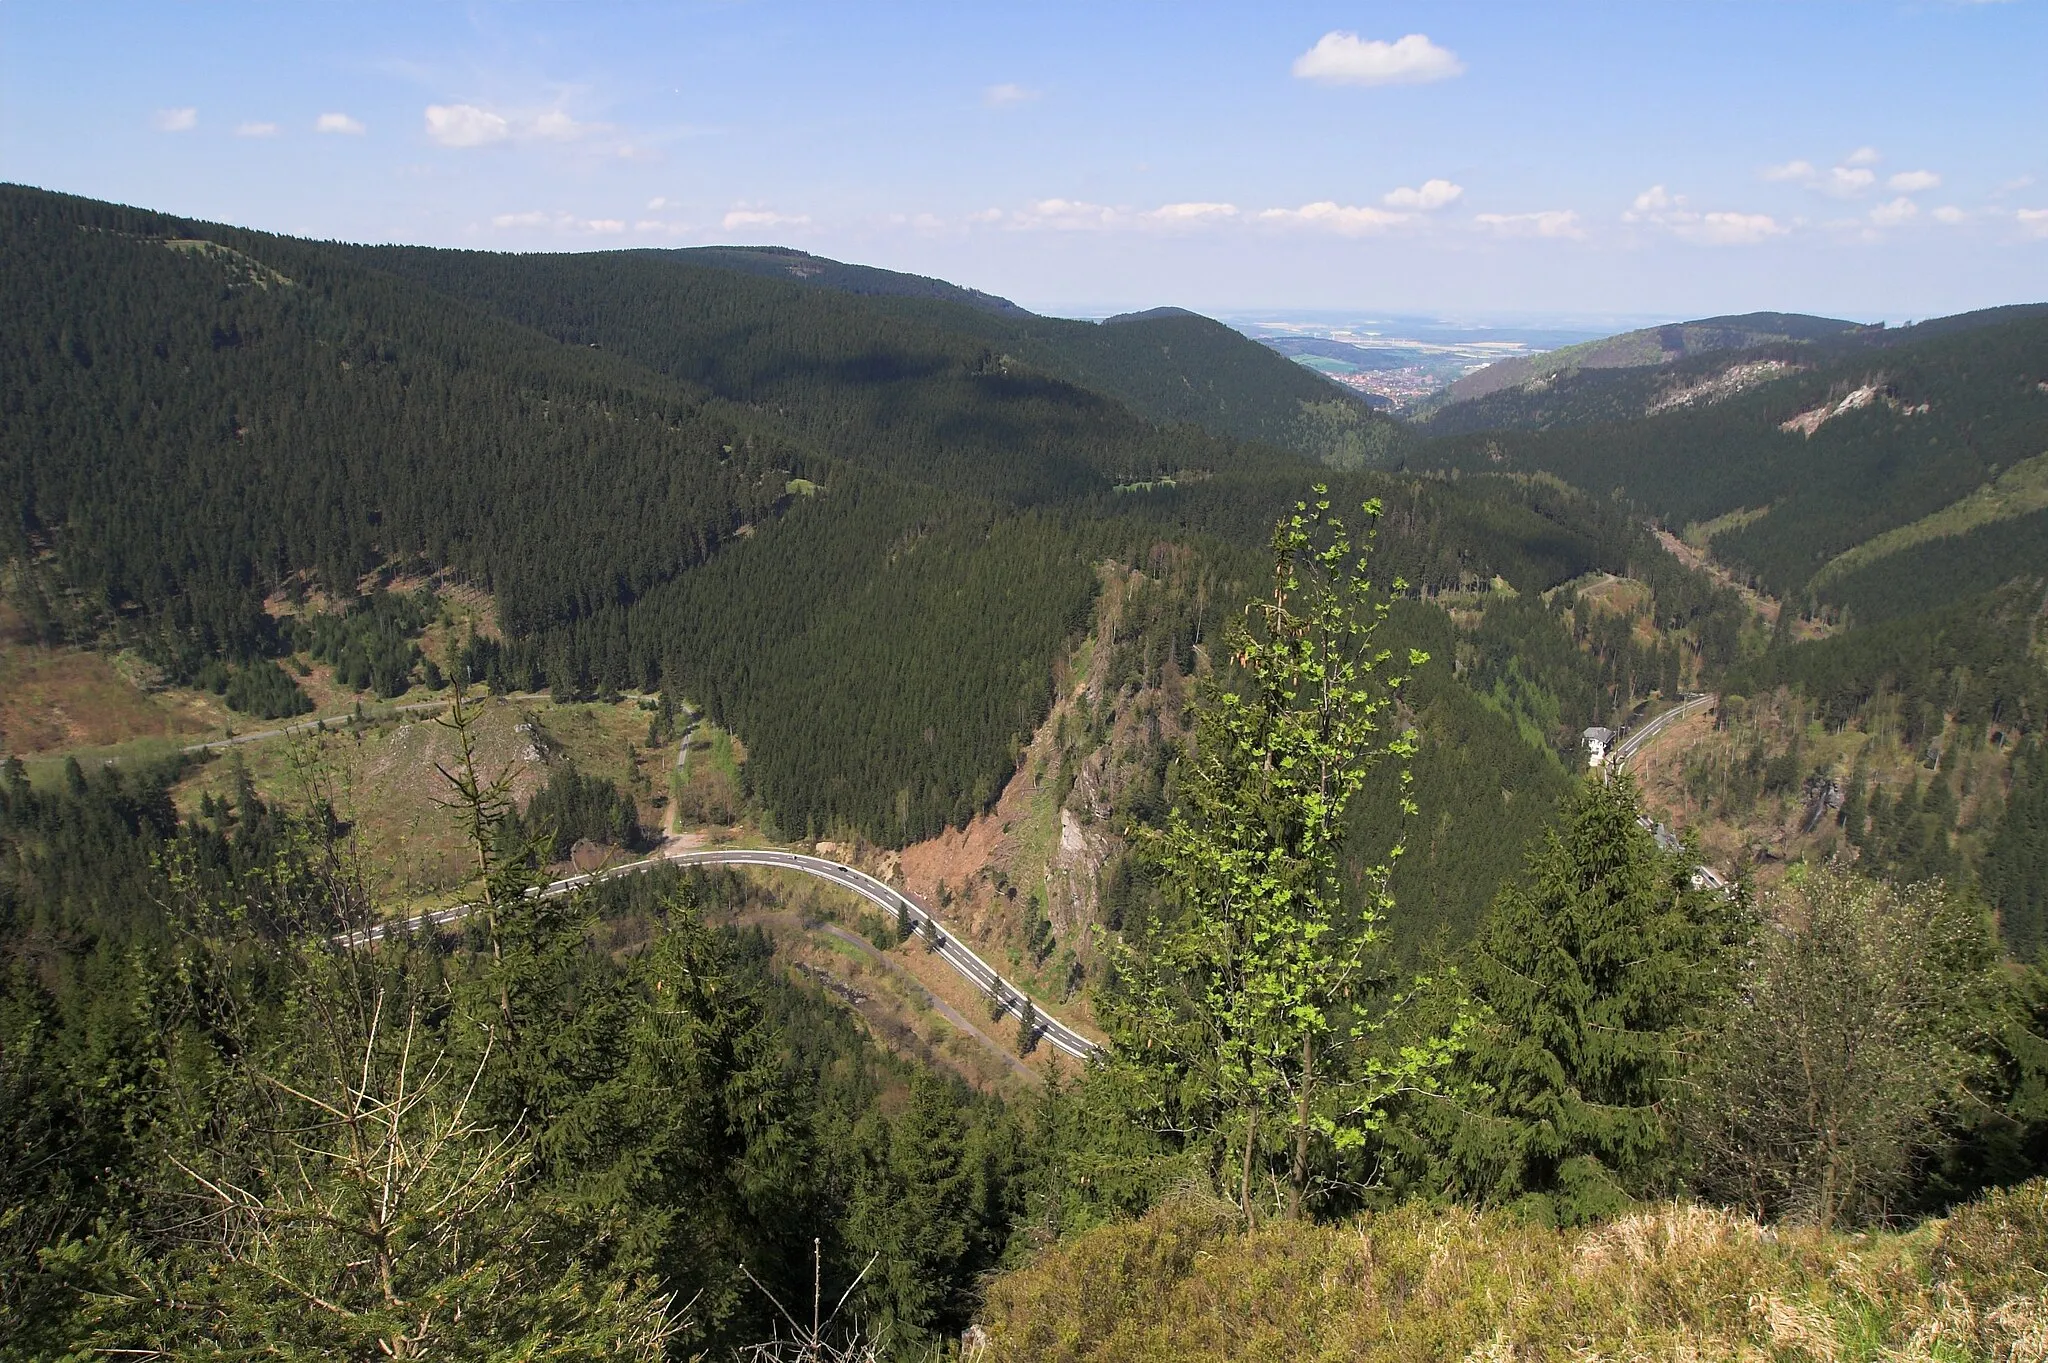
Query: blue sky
[[1868, 160]]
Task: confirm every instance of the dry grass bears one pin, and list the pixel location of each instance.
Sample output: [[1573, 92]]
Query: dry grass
[[1676, 1282], [384, 779], [62, 699]]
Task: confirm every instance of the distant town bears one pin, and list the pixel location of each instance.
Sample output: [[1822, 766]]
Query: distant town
[[1397, 362]]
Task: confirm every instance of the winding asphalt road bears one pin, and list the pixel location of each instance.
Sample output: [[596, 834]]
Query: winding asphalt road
[[1634, 742], [1704, 876], [889, 899]]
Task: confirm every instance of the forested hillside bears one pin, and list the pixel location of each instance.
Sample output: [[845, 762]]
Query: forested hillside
[[1271, 772], [1821, 450], [1462, 405], [197, 417], [782, 262], [1167, 364], [806, 505], [890, 363], [186, 424]]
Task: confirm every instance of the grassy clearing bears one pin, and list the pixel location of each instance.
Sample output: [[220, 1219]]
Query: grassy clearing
[[1676, 1282], [383, 777], [2020, 491], [45, 772], [1700, 534], [55, 700], [709, 790]]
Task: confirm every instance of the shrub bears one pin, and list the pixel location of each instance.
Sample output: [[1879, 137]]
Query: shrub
[[1421, 1282]]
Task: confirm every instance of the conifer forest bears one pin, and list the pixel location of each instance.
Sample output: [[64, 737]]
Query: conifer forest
[[397, 598]]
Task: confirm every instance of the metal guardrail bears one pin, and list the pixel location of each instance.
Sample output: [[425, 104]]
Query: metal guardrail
[[878, 892]]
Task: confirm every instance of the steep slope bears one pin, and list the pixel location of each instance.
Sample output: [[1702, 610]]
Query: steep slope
[[1179, 366], [1857, 439], [1648, 346], [189, 415], [1708, 362], [196, 416]]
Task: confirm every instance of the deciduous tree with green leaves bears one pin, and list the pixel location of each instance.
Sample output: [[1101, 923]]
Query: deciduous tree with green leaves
[[1247, 1011]]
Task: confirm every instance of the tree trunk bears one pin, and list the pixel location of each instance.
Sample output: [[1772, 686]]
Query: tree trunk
[[1244, 1190], [1299, 1175]]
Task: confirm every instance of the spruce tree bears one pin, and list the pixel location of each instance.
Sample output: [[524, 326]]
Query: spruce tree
[[2015, 870], [1588, 973]]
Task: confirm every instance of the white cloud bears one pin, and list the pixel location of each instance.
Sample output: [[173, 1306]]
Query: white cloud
[[1862, 156], [257, 130], [1078, 215], [761, 217], [1659, 207], [1068, 215], [1001, 96], [1843, 182], [2033, 221], [465, 125], [1913, 181], [1899, 210], [658, 201], [174, 120], [337, 123], [1949, 214], [1343, 219], [1655, 199], [471, 125], [563, 224], [555, 126], [1340, 58], [2018, 182], [1732, 229], [1554, 222], [1431, 195], [1190, 214]]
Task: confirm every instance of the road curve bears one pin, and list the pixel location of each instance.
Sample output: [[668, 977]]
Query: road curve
[[1706, 877], [890, 900], [1633, 743]]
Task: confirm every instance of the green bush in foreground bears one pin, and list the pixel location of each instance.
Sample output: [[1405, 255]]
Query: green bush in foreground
[[1674, 1281]]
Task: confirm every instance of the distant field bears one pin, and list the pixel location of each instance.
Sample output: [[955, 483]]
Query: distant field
[[2020, 491]]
